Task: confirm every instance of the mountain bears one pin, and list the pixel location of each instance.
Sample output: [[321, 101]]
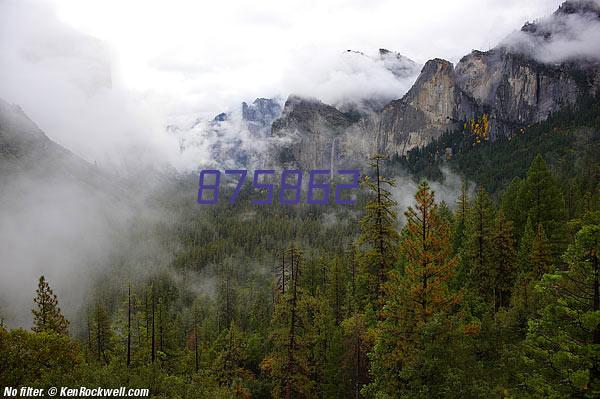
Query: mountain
[[398, 64], [260, 114], [511, 86], [314, 134], [28, 157]]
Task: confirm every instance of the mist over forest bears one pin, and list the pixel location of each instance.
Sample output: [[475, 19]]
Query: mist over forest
[[466, 264]]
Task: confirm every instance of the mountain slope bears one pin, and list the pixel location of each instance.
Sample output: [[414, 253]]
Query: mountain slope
[[27, 155], [512, 86]]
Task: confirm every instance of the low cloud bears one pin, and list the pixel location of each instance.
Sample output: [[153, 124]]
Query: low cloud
[[560, 37], [338, 78]]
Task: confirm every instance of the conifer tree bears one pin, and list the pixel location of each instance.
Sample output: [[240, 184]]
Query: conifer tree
[[415, 298], [564, 342], [460, 220], [511, 206], [378, 238], [336, 288], [47, 316], [502, 260], [543, 202], [540, 257], [288, 363], [101, 333], [477, 255], [523, 264]]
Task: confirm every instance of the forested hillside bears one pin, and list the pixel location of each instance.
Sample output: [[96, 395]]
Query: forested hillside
[[494, 296]]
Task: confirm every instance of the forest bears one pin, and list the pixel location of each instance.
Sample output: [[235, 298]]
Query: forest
[[496, 295]]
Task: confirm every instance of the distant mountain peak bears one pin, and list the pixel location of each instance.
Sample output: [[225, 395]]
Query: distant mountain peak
[[579, 7]]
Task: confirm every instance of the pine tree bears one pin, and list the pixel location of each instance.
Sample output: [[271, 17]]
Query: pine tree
[[378, 240], [477, 256], [523, 264], [357, 347], [564, 342], [511, 207], [414, 299], [540, 257], [502, 260], [460, 221], [47, 317], [288, 363], [101, 333], [543, 202], [231, 355], [336, 288]]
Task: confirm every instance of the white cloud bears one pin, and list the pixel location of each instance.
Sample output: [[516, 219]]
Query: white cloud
[[560, 38], [173, 61]]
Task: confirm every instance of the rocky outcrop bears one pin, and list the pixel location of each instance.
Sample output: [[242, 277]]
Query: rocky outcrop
[[27, 155], [434, 104], [260, 114], [517, 91], [398, 64], [513, 85], [311, 134]]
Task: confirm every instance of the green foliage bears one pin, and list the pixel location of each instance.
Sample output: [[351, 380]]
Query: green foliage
[[47, 316], [378, 239], [493, 296], [563, 343]]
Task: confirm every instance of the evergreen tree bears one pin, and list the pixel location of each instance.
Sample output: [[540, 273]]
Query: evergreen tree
[[47, 316], [543, 202], [477, 253], [540, 257], [231, 355], [415, 299], [288, 364], [460, 221], [101, 333], [502, 260], [336, 288], [523, 264], [511, 207], [563, 344], [378, 240]]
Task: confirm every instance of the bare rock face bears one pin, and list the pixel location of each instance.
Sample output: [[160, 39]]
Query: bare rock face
[[434, 104], [311, 134], [515, 90], [520, 82], [260, 114]]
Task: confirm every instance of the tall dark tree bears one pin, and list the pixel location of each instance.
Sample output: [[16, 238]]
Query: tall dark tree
[[564, 341], [378, 240], [477, 255], [542, 200], [288, 363], [413, 299], [47, 316], [503, 261]]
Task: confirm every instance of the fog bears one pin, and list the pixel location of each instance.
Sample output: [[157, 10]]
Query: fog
[[105, 78], [559, 38], [66, 82]]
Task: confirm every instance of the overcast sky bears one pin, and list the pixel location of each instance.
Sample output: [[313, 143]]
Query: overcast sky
[[223, 49], [119, 70]]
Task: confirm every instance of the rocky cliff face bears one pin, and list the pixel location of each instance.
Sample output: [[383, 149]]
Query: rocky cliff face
[[512, 84], [434, 104], [515, 90], [316, 135], [28, 157], [260, 114]]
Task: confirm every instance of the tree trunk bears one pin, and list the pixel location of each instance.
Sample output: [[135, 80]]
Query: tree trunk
[[129, 327]]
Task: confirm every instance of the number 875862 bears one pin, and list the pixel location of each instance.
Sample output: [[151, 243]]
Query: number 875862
[[315, 185]]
